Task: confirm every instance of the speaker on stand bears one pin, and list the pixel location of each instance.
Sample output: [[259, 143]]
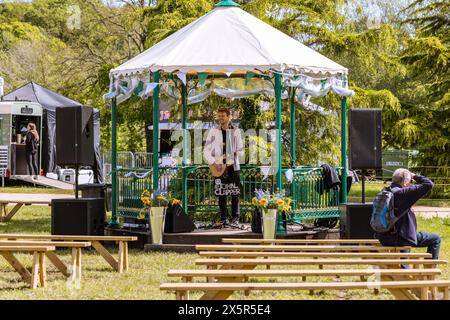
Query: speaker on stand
[[75, 138], [75, 148], [365, 141], [364, 153]]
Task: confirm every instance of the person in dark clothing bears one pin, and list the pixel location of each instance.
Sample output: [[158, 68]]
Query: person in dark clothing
[[31, 148], [405, 230]]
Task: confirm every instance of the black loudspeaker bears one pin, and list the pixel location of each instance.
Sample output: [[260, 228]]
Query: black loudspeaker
[[365, 138], [355, 221], [74, 136], [85, 216], [177, 221]]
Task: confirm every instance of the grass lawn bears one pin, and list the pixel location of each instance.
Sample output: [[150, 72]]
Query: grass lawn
[[373, 187], [147, 270], [26, 189]]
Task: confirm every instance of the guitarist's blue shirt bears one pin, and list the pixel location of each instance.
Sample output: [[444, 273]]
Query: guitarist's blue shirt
[[404, 199]]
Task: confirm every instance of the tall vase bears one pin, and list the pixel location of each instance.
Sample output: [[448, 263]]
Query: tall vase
[[157, 218], [269, 217]]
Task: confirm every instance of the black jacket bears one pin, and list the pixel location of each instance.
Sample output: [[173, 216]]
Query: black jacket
[[31, 145], [331, 179]]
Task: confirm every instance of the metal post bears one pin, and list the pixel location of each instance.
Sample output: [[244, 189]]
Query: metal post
[[344, 148], [113, 222], [278, 125], [156, 77], [293, 135], [185, 145], [363, 187]]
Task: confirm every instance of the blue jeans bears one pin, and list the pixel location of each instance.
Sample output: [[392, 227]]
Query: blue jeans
[[424, 239]]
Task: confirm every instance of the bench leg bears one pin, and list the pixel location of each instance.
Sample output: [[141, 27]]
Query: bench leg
[[125, 256], [446, 294], [54, 259], [8, 215], [42, 270], [182, 295], [4, 212], [75, 265], [12, 260], [105, 254], [223, 295], [424, 293], [78, 263], [121, 257], [35, 271]]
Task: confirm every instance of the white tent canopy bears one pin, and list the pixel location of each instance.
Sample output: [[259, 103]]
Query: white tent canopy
[[229, 40]]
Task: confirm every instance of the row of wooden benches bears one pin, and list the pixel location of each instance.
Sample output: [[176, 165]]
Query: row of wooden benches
[[44, 246], [231, 267]]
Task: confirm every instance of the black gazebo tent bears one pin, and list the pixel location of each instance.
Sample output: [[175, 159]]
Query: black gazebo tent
[[51, 100]]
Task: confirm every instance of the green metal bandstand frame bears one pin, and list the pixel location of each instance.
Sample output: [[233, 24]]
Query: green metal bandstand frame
[[305, 179]]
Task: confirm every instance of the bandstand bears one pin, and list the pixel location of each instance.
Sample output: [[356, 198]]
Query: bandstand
[[233, 54]]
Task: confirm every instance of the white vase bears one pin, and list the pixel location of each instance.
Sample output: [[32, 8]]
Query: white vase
[[269, 218], [157, 218]]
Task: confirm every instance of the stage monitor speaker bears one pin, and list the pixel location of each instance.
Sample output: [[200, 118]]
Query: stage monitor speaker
[[177, 221], [355, 221], [74, 136], [365, 138], [84, 216]]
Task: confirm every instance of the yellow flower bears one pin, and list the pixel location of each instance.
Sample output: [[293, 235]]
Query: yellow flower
[[280, 202], [141, 216], [289, 201], [286, 208], [161, 198], [254, 201], [263, 202], [175, 202], [146, 201]]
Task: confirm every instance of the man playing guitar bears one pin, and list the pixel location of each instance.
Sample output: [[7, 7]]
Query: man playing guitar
[[222, 150]]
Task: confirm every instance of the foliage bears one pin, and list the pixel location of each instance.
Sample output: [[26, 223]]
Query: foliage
[[400, 64]]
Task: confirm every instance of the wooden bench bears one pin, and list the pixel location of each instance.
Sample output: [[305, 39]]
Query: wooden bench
[[187, 275], [244, 254], [119, 265], [6, 215], [38, 273], [73, 270], [232, 275], [373, 242], [300, 248], [231, 263], [221, 290]]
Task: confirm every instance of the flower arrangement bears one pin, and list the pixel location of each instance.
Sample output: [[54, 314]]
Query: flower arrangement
[[266, 200], [158, 198]]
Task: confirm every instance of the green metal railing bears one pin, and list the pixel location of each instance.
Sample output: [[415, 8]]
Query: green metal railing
[[307, 189]]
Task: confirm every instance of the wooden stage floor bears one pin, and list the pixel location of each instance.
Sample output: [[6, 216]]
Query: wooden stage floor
[[185, 242]]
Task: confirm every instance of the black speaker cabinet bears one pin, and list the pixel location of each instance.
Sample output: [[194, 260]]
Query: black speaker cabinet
[[74, 136], [365, 139], [177, 221], [355, 221], [84, 216]]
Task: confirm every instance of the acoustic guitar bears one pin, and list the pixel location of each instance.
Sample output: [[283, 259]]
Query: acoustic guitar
[[217, 173]]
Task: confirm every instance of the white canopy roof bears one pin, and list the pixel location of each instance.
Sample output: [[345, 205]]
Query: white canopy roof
[[229, 40]]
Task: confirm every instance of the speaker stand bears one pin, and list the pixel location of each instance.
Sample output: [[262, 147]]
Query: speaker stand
[[76, 181], [363, 186]]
